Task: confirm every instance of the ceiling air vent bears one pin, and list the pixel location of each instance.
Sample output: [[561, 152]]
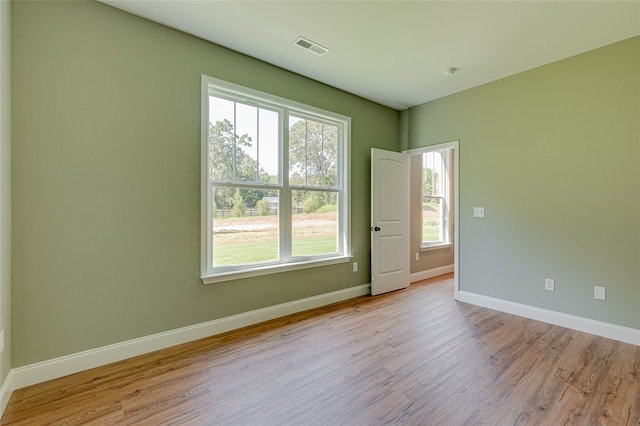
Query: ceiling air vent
[[311, 46]]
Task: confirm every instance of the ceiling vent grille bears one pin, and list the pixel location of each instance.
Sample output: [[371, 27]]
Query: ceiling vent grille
[[311, 46]]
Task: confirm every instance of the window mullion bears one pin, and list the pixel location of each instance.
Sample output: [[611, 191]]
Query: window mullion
[[209, 237], [285, 210], [234, 166], [306, 152], [257, 179]]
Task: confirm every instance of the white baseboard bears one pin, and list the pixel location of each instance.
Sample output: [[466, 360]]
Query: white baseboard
[[74, 363], [430, 273], [5, 391], [599, 328]]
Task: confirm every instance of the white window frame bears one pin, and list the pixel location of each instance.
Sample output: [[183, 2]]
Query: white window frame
[[446, 211], [211, 274]]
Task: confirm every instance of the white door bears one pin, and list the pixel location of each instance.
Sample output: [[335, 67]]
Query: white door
[[389, 221]]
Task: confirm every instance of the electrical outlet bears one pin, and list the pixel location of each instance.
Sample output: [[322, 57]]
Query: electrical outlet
[[417, 256], [549, 284], [355, 266], [599, 293], [478, 212], [1, 341]]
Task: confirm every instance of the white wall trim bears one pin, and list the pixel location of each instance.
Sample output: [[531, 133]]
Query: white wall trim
[[599, 328], [74, 363], [430, 273], [5, 391]]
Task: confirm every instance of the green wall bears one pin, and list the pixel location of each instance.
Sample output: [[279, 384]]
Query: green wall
[[5, 185], [553, 156], [106, 179]]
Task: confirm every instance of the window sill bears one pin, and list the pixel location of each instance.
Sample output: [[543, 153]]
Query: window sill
[[436, 247], [273, 269]]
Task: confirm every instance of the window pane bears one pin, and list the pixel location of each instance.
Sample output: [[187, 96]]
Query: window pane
[[314, 223], [221, 138], [297, 150], [268, 146], [246, 144], [243, 142], [330, 155], [245, 226], [433, 173], [313, 153], [221, 109], [431, 220]]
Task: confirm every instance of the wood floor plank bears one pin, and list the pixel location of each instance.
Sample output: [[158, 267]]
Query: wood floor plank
[[414, 356]]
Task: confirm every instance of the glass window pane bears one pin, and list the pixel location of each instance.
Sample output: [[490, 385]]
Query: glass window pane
[[268, 146], [246, 147], [297, 150], [314, 153], [314, 223], [245, 226], [220, 110], [221, 138], [433, 173], [330, 155], [243, 142], [431, 220]]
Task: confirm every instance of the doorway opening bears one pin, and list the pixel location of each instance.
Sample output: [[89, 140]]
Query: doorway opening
[[434, 213]]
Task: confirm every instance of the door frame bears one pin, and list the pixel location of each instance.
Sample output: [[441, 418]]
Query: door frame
[[456, 203]]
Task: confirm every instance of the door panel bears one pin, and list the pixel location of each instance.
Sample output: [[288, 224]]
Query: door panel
[[389, 221]]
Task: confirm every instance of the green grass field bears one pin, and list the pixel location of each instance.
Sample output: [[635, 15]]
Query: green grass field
[[263, 251], [243, 240], [430, 222], [430, 234]]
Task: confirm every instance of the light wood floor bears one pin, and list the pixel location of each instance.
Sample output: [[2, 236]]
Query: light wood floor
[[411, 357]]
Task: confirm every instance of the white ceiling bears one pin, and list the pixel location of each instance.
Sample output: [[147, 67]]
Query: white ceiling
[[393, 52]]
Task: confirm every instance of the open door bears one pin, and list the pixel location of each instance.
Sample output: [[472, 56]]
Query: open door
[[389, 221]]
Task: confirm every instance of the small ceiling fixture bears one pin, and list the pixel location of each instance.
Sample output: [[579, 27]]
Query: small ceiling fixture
[[311, 46], [449, 71]]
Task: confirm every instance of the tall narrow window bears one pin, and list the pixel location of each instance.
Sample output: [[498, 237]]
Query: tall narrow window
[[436, 196], [276, 179]]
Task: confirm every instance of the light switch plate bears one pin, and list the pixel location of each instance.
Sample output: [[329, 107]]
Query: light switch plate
[[549, 284]]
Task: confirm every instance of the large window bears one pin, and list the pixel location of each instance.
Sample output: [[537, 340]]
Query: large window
[[436, 196], [275, 182]]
